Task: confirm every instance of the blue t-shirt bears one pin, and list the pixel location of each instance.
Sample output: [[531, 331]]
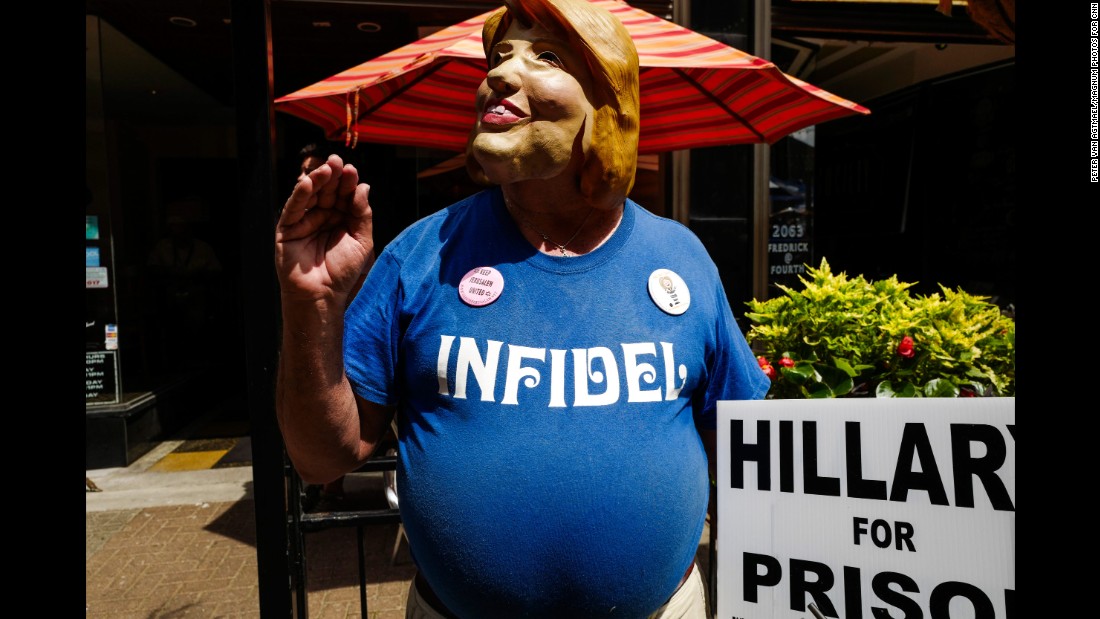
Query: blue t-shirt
[[549, 464]]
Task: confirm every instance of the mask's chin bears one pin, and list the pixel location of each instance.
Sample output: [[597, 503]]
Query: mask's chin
[[507, 162], [507, 157]]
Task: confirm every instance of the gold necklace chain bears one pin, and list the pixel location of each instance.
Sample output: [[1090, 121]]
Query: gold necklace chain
[[545, 237]]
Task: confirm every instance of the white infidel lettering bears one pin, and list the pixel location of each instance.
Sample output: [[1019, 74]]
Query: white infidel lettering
[[557, 378], [636, 371], [592, 367], [582, 372], [484, 371], [445, 342], [516, 371], [671, 390]]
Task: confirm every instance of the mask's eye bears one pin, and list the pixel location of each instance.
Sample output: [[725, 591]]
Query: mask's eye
[[495, 59], [551, 59]]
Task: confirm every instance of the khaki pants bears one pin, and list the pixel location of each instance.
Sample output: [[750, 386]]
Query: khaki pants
[[689, 602]]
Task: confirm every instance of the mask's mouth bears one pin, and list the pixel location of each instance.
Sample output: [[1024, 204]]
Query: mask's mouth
[[501, 112]]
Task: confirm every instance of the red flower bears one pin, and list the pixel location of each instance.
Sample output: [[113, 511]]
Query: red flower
[[905, 348], [786, 362], [769, 371], [967, 392]]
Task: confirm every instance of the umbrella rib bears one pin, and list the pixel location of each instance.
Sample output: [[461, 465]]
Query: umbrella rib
[[719, 103], [427, 73]]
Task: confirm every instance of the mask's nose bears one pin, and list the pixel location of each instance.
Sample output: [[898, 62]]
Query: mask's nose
[[504, 79]]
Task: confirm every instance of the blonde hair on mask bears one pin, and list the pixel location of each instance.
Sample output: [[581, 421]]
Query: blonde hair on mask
[[608, 171]]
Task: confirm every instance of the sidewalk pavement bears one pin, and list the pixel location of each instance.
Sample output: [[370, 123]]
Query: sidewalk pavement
[[168, 543]]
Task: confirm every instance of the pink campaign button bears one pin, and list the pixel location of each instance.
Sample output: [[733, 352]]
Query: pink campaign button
[[481, 286]]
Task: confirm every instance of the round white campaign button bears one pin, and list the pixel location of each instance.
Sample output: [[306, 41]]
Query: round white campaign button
[[669, 292], [481, 286]]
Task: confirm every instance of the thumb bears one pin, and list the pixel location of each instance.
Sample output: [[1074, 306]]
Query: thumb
[[362, 222]]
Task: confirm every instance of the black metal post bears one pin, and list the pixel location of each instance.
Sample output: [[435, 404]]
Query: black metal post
[[254, 87]]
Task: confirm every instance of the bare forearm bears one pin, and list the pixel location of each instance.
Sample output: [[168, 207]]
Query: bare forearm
[[314, 401]]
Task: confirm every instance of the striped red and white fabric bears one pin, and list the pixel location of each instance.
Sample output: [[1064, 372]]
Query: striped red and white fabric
[[695, 91]]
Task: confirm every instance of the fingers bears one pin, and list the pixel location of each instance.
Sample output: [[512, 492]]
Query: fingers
[[361, 225], [298, 202], [360, 201], [361, 213], [304, 196], [346, 186], [323, 187], [327, 192]]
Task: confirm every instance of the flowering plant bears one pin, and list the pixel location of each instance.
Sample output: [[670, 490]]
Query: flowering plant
[[843, 337]]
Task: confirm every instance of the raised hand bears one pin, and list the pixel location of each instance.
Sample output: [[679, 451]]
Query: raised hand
[[324, 238]]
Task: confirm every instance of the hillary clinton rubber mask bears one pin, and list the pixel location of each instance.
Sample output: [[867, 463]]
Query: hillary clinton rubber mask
[[561, 90]]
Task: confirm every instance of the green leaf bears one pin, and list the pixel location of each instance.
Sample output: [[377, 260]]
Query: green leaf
[[886, 389], [941, 388], [844, 387], [838, 380], [844, 365], [907, 390], [802, 372], [819, 390]]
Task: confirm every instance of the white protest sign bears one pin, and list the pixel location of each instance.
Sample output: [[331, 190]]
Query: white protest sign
[[869, 508]]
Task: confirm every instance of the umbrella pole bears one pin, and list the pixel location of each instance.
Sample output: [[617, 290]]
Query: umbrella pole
[[761, 163]]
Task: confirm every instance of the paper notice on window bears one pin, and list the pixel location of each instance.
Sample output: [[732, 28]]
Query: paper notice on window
[[96, 277]]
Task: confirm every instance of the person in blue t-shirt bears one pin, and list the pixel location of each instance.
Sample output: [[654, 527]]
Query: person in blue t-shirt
[[552, 353]]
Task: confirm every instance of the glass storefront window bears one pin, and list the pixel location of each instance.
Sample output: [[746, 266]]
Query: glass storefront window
[[790, 224]]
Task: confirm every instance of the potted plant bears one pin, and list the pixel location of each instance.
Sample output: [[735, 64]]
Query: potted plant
[[843, 336]]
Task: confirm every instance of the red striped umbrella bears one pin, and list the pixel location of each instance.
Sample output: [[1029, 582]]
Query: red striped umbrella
[[695, 91]]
